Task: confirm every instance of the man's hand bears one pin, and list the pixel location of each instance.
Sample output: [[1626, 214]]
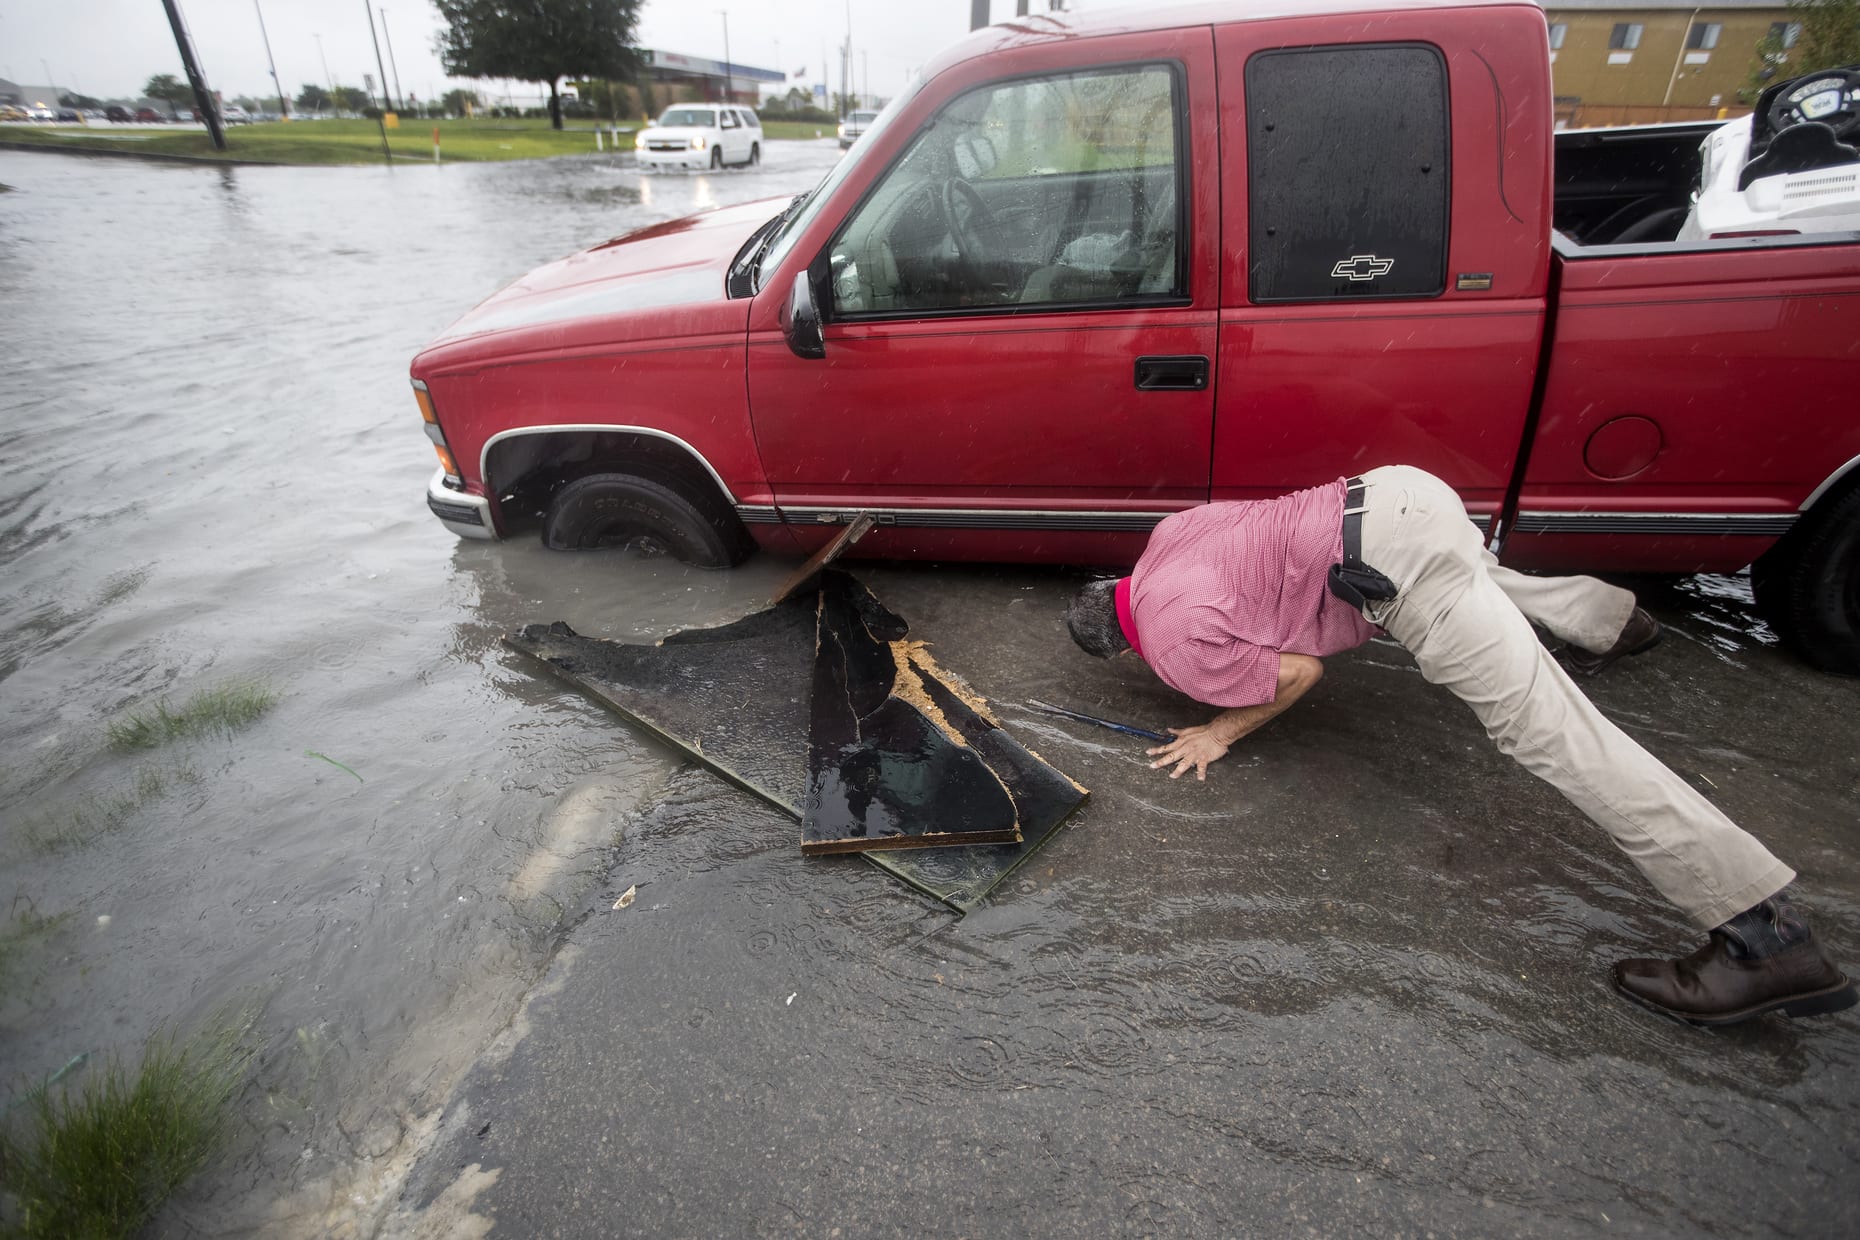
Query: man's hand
[[1194, 746], [1208, 742]]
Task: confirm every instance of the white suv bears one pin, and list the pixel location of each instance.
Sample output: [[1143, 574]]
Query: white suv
[[700, 135]]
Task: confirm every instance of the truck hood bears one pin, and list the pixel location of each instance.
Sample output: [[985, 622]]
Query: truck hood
[[671, 264]]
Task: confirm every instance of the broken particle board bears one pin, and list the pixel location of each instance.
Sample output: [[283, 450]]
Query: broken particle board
[[882, 772], [756, 672]]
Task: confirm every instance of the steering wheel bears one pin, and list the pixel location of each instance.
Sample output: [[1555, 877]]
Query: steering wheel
[[971, 224], [1831, 97]]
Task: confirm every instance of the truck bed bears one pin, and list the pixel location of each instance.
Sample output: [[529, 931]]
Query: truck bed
[[1619, 186]]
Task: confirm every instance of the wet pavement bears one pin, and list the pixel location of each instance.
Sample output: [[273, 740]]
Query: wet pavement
[[1356, 982]]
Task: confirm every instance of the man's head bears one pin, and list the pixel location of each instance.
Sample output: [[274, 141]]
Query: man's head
[[1092, 619]]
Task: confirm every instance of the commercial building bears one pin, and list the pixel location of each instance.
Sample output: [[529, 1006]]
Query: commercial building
[[678, 77]]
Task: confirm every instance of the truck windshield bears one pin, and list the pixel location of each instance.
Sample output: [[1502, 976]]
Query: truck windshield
[[797, 224], [689, 118]]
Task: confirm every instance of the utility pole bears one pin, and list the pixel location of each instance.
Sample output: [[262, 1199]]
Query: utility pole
[[203, 98], [382, 70], [398, 104], [729, 74], [284, 104]]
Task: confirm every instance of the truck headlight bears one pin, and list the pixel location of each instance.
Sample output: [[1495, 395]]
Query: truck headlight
[[842, 131], [639, 140], [697, 144]]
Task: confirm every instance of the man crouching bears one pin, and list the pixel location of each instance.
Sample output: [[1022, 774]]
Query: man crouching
[[1236, 604]]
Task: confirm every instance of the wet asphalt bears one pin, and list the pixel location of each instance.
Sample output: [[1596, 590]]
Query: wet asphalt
[[1357, 982]]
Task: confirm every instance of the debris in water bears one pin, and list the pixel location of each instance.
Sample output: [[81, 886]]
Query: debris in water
[[626, 897], [311, 753], [790, 1002], [744, 689]]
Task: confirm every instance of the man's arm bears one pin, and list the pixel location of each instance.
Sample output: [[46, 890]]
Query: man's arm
[[1204, 743]]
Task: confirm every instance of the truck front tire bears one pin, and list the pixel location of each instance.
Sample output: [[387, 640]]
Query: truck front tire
[[617, 510], [1808, 585]]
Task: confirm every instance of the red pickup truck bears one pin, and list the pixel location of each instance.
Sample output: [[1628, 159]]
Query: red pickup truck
[[1089, 270]]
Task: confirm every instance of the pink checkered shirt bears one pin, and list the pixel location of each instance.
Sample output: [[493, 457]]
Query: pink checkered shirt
[[1222, 589]]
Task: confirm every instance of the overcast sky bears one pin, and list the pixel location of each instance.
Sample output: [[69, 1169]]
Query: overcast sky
[[109, 48]]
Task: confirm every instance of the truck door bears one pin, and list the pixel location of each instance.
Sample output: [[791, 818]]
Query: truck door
[[1019, 312], [1385, 204]]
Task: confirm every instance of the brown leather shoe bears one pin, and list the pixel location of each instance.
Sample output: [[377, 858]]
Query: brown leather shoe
[[1641, 633], [1717, 986]]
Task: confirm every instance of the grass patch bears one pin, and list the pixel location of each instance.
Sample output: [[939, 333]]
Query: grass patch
[[777, 131], [331, 141], [97, 1159], [98, 816], [359, 142], [222, 710], [19, 938]]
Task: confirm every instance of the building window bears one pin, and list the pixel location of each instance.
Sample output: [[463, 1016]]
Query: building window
[[1786, 33], [1625, 37], [1558, 32], [1703, 36]]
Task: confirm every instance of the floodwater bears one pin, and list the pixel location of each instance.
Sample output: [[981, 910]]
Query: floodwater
[[213, 471], [1355, 983]]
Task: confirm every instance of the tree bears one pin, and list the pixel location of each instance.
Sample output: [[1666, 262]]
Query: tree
[[460, 102], [1828, 35], [170, 90], [609, 99], [312, 98], [538, 41], [352, 99]]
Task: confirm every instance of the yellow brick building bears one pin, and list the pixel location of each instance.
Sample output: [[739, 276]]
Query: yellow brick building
[[1617, 63]]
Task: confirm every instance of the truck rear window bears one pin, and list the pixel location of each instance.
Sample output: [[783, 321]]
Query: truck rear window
[[1348, 181]]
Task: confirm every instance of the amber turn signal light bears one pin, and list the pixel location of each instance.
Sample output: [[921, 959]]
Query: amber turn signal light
[[445, 459], [426, 405]]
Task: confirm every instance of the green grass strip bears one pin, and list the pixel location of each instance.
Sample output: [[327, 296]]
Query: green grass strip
[[359, 142], [99, 1158], [223, 709]]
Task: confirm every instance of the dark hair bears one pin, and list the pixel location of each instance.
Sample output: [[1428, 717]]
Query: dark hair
[[1092, 619]]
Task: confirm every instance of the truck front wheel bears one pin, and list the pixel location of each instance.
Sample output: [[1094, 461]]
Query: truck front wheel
[[1808, 585], [617, 510]]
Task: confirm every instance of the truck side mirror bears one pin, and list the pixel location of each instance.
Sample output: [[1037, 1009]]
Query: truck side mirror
[[800, 321]]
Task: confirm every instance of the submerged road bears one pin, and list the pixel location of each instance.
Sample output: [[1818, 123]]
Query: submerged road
[[1355, 983]]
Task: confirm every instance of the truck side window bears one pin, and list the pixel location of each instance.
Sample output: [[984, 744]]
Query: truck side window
[[1059, 190], [1348, 179]]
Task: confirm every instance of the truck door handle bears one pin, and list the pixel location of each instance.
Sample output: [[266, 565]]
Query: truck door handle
[[1172, 374]]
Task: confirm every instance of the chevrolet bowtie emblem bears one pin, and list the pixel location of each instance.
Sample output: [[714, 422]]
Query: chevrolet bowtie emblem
[[1360, 267]]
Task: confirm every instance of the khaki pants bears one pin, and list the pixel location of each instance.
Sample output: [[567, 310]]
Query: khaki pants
[[1466, 620]]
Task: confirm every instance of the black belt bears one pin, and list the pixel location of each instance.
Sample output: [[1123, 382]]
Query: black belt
[[1353, 522], [1354, 581]]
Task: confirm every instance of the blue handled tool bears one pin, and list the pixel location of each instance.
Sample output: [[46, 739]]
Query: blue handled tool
[[1125, 728]]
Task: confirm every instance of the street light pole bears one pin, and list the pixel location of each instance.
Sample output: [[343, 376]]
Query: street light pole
[[380, 68], [399, 102], [203, 98], [729, 76], [284, 105], [327, 79]]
